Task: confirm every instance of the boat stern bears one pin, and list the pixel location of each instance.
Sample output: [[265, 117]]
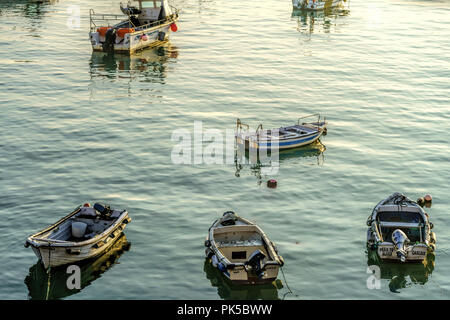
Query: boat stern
[[416, 252]]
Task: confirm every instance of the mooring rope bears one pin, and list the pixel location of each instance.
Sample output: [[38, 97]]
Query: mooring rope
[[287, 285]]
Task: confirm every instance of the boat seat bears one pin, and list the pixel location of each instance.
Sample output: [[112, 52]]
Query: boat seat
[[238, 243]]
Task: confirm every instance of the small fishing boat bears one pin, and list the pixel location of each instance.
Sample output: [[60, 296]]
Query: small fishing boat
[[85, 233], [241, 251], [146, 25], [294, 136], [400, 230], [317, 4]]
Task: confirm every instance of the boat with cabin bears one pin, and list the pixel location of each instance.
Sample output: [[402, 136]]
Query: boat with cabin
[[316, 5], [85, 233], [144, 25], [400, 230], [241, 251], [288, 137]]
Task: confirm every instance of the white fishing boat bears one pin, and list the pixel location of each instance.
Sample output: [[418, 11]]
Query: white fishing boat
[[317, 4], [241, 251], [400, 230], [85, 233], [293, 136], [51, 284], [145, 25]]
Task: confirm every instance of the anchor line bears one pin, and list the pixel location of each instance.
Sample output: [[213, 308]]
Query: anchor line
[[287, 285]]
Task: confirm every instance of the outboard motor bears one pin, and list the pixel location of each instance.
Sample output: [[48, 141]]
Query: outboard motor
[[110, 40], [103, 209], [255, 261], [229, 218], [400, 239]]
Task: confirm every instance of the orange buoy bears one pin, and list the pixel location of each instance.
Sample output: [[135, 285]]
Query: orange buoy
[[173, 27], [86, 204], [102, 30], [123, 31]]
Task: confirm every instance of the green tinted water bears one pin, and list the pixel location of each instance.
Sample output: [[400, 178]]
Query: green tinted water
[[79, 127]]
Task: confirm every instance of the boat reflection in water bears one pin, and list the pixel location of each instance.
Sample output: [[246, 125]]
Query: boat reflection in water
[[403, 275], [33, 10], [230, 291], [53, 285], [261, 168], [316, 21], [149, 65]]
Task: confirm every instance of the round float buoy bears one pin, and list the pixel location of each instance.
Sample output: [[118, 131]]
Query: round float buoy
[[86, 204], [420, 202], [272, 183], [173, 27], [428, 198]]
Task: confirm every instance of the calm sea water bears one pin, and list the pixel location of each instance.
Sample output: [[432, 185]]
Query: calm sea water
[[79, 127]]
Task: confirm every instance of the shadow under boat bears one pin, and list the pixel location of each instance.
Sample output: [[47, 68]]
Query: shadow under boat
[[307, 20], [43, 285], [403, 275], [146, 64], [264, 165], [31, 9], [229, 291]]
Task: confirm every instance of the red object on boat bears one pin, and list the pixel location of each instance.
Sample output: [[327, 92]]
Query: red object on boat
[[123, 31], [102, 30], [86, 205], [173, 27]]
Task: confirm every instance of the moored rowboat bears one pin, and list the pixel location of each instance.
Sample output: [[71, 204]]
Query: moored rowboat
[[241, 250], [85, 233], [294, 136]]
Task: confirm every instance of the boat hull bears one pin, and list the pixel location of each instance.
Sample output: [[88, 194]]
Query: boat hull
[[316, 5], [282, 144], [136, 41], [53, 254], [416, 253], [240, 276]]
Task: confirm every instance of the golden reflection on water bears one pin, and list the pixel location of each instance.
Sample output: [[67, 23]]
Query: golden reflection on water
[[51, 284], [261, 169], [147, 65], [403, 275]]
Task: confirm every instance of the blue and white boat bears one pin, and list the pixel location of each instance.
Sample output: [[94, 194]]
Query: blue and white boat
[[297, 135]]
